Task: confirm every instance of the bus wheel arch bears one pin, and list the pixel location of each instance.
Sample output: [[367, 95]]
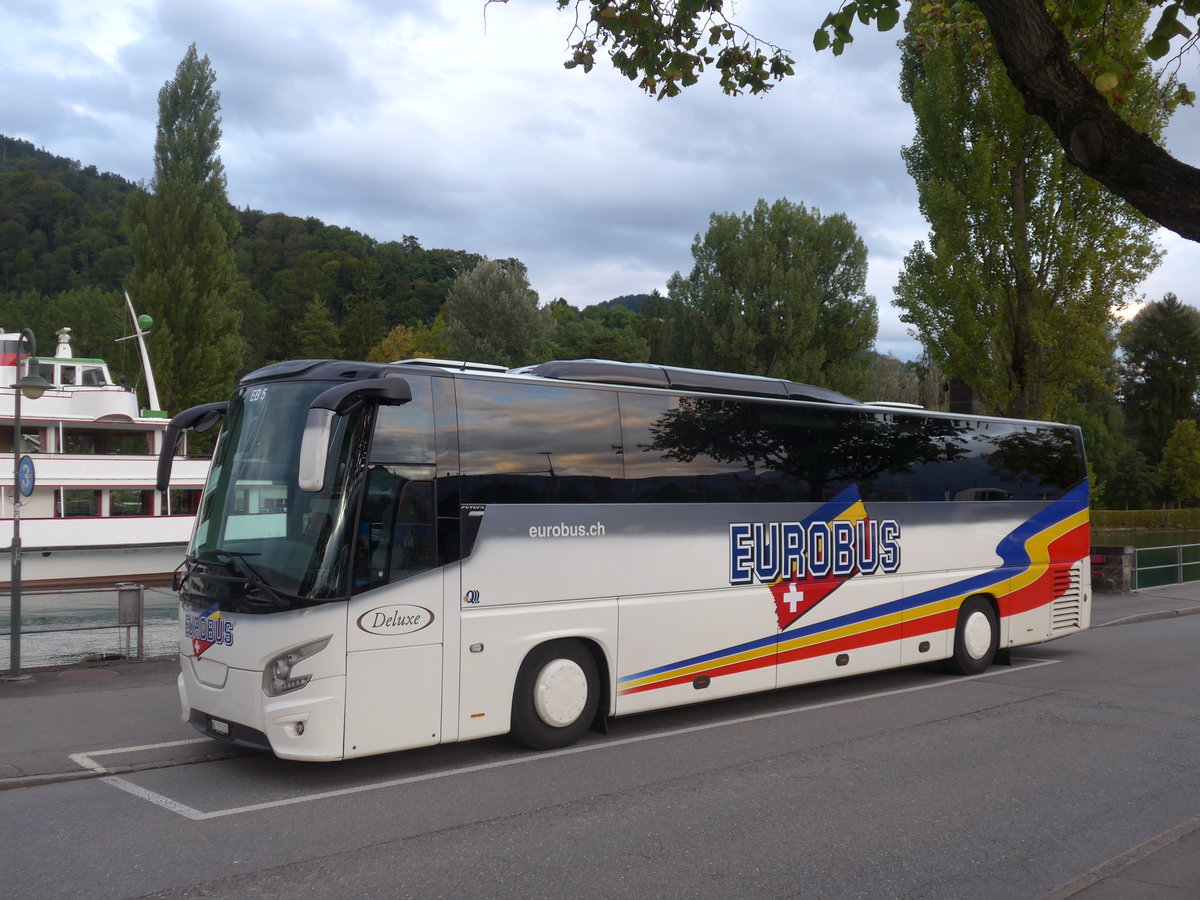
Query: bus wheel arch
[[976, 636], [557, 694]]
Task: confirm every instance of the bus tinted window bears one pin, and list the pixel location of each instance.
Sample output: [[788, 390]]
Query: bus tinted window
[[528, 443], [687, 449], [404, 434], [970, 460], [1034, 463], [396, 526], [805, 454]]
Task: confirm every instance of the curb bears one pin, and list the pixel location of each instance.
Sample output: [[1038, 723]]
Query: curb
[[1152, 616], [214, 754], [24, 781], [1118, 864]]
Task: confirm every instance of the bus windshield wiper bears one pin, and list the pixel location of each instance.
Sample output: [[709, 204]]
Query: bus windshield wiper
[[237, 562]]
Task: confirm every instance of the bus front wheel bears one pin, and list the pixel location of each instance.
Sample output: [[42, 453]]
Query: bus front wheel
[[976, 637], [555, 697]]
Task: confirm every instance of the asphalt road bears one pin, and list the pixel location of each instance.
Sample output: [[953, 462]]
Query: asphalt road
[[907, 784]]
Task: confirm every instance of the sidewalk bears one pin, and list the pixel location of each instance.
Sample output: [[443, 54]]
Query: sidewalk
[[135, 705]]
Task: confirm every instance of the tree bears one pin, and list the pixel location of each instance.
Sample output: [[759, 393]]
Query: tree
[[1180, 466], [492, 316], [402, 342], [1027, 258], [891, 380], [597, 332], [667, 44], [1137, 484], [181, 232], [1160, 371], [316, 334], [779, 291], [1118, 475], [653, 326], [364, 324]]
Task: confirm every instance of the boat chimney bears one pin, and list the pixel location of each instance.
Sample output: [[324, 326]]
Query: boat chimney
[[63, 350]]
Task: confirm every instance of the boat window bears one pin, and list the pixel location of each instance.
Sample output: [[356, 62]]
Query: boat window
[[93, 376], [127, 443], [31, 441], [49, 371], [131, 503], [80, 503], [108, 443], [68, 375], [183, 502]]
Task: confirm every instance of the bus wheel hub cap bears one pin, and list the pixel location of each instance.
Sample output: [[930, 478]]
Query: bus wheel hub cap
[[977, 635], [560, 693]]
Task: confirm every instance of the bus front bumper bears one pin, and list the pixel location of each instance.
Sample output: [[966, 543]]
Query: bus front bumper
[[307, 724]]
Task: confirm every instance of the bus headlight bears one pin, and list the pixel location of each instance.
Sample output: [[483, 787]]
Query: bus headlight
[[277, 676]]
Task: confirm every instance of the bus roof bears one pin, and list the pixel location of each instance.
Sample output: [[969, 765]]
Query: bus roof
[[606, 372], [602, 371]]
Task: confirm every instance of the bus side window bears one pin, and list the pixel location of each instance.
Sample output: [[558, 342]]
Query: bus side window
[[396, 528]]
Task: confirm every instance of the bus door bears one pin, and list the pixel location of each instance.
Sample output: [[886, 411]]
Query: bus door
[[395, 618]]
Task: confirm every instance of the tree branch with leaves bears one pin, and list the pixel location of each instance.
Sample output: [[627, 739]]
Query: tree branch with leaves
[[1048, 49]]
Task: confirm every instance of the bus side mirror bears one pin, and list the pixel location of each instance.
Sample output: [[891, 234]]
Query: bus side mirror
[[198, 418], [338, 401]]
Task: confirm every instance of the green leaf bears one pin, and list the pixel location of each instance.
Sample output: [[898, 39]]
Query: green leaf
[[1158, 47], [821, 39], [887, 19]]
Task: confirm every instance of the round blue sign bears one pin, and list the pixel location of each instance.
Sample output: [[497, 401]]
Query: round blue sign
[[25, 476]]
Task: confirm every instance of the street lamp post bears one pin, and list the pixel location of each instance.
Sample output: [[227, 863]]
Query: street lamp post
[[32, 387]]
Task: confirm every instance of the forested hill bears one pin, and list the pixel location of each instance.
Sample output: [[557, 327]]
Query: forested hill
[[632, 302], [64, 258], [59, 223]]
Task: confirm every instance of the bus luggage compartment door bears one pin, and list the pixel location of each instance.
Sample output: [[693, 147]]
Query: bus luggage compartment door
[[393, 699], [695, 646]]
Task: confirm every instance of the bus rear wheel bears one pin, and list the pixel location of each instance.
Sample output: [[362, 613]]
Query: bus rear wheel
[[976, 637], [555, 697]]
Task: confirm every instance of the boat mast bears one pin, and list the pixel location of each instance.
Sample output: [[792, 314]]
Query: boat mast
[[140, 334]]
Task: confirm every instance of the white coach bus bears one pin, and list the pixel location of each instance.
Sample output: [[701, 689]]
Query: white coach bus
[[395, 556]]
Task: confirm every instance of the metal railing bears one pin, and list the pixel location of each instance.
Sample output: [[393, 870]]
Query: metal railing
[[1158, 566], [131, 604]]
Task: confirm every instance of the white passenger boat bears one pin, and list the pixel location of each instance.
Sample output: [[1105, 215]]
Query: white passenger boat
[[93, 516]]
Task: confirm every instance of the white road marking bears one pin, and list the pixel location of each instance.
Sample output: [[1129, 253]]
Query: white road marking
[[87, 761]]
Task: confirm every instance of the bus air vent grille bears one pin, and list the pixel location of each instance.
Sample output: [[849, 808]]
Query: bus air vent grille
[[1066, 613]]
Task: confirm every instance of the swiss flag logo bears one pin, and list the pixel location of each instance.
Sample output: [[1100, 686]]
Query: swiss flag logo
[[796, 596], [797, 593], [207, 624]]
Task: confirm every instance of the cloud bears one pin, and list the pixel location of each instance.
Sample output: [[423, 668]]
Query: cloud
[[455, 121]]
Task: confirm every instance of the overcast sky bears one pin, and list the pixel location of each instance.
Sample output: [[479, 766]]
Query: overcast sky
[[455, 121]]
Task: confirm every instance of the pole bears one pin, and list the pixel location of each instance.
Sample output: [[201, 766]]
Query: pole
[[151, 390], [32, 386], [14, 640]]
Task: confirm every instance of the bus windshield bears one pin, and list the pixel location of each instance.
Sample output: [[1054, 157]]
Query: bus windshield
[[255, 526]]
